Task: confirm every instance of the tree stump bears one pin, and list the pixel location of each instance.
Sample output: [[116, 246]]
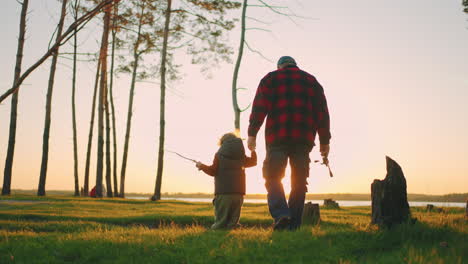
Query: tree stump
[[466, 209], [389, 198], [432, 208], [329, 203], [429, 208], [311, 214]]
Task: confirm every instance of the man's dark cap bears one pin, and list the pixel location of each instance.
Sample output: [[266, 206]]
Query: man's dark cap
[[286, 60]]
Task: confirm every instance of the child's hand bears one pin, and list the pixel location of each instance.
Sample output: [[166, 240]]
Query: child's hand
[[198, 165]]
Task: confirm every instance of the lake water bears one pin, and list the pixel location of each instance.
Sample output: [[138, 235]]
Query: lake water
[[341, 203]]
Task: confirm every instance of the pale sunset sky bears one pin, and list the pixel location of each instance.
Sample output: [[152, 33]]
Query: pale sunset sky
[[395, 74]]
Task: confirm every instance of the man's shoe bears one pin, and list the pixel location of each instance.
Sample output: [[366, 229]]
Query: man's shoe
[[282, 223]]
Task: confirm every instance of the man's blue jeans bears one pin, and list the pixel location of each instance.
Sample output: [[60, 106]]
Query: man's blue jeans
[[273, 171]]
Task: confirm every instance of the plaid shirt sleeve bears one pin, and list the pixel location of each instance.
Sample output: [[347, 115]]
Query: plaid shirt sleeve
[[322, 115], [260, 107]]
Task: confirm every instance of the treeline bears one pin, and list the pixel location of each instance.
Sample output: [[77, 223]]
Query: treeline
[[450, 198], [453, 197], [138, 29], [131, 32]]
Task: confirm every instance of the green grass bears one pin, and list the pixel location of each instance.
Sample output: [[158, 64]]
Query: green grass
[[62, 229]]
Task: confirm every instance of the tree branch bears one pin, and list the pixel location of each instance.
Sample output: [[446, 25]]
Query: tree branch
[[247, 107], [200, 17], [256, 51], [258, 20], [269, 6], [65, 37], [291, 14], [261, 29]]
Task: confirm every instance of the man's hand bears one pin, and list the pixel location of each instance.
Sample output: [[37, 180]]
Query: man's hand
[[198, 165], [324, 150], [251, 143]]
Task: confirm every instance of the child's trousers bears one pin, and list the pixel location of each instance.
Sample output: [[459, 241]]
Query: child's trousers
[[227, 210]]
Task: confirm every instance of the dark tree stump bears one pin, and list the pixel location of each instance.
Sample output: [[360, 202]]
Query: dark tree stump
[[389, 199], [429, 208], [329, 203], [466, 209], [311, 214], [432, 208]]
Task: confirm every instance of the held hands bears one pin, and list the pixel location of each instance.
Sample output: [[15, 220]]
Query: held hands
[[251, 143]]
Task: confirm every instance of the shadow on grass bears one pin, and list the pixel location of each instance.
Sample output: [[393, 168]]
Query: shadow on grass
[[150, 220], [33, 198]]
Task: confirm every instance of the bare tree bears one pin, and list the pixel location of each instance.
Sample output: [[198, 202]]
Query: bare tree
[[235, 104], [90, 134], [139, 14], [243, 42], [102, 100], [200, 26], [48, 119], [75, 8], [157, 189], [111, 95], [79, 24], [108, 156], [6, 189]]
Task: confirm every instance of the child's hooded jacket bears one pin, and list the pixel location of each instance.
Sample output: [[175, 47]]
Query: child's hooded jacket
[[228, 167]]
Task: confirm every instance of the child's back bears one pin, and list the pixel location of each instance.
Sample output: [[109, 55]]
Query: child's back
[[230, 177], [228, 170]]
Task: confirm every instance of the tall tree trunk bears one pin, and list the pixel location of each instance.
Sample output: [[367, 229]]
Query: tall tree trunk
[[157, 188], [127, 130], [111, 99], [108, 157], [6, 189], [136, 58], [75, 140], [45, 143], [90, 134], [102, 98], [235, 104]]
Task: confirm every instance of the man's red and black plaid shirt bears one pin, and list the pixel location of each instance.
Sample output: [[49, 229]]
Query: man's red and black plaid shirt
[[295, 106]]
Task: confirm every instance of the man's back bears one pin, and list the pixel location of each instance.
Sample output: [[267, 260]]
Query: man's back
[[295, 107]]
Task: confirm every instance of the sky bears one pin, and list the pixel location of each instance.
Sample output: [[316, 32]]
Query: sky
[[394, 74]]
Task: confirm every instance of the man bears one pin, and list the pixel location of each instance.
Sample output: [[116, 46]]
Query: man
[[295, 108]]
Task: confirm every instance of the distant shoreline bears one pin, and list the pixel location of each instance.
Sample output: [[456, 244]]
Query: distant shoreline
[[452, 197]]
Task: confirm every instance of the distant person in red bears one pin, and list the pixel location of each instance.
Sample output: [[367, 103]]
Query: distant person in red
[[229, 177], [92, 193], [295, 108]]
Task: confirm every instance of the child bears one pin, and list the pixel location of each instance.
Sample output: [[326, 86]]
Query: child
[[229, 175]]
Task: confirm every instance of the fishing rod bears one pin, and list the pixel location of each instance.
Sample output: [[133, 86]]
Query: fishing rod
[[326, 163], [182, 156]]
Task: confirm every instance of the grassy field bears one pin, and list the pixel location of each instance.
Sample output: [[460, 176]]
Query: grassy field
[[62, 229]]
